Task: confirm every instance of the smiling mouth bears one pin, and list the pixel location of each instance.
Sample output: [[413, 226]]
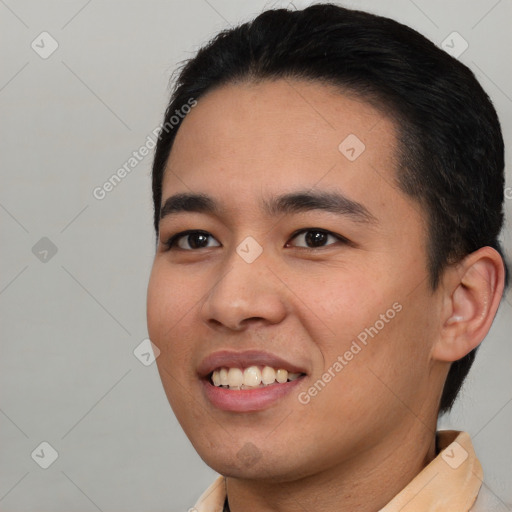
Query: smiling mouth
[[252, 377]]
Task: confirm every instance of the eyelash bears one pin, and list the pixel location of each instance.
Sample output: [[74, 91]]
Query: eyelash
[[171, 242]]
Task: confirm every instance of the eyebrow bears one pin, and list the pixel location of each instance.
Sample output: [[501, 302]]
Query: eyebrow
[[286, 204]]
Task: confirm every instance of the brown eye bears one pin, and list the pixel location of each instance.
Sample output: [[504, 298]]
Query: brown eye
[[314, 238], [190, 240]]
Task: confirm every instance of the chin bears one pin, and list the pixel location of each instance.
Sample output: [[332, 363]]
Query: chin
[[248, 463]]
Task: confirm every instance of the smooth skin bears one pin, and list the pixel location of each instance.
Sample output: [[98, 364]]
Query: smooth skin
[[364, 436]]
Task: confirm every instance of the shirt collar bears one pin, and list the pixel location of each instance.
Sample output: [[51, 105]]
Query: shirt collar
[[450, 482]]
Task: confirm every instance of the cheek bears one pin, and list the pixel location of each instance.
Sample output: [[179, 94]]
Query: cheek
[[385, 362], [344, 302], [167, 313], [157, 303], [168, 299], [166, 316], [363, 379], [377, 330]]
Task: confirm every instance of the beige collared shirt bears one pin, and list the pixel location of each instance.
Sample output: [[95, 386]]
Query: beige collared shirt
[[452, 482]]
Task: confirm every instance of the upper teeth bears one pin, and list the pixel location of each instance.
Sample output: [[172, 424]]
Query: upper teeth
[[251, 377]]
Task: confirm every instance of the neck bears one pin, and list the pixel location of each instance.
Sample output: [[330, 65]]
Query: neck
[[356, 485]]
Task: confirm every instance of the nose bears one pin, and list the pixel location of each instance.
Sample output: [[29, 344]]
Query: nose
[[245, 293]]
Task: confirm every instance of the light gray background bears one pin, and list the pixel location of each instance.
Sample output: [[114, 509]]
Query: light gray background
[[68, 374]]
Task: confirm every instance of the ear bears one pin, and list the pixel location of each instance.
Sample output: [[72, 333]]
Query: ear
[[472, 292]]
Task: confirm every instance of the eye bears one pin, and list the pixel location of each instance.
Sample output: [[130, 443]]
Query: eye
[[314, 238], [195, 239], [317, 238]]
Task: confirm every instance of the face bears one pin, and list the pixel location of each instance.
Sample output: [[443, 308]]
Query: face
[[333, 289]]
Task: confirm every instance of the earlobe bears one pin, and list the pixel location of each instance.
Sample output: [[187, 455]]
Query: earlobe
[[473, 290]]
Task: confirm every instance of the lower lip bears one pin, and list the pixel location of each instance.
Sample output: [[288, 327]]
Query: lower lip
[[248, 400]]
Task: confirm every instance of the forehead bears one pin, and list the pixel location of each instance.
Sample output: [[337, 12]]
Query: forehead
[[280, 134]]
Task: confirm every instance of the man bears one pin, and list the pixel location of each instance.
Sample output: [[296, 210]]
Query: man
[[328, 190]]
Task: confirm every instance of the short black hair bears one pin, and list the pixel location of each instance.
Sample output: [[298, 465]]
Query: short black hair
[[450, 146]]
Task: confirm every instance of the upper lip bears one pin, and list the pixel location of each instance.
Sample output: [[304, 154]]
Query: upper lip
[[232, 359]]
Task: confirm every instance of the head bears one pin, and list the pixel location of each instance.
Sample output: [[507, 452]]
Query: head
[[321, 104]]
